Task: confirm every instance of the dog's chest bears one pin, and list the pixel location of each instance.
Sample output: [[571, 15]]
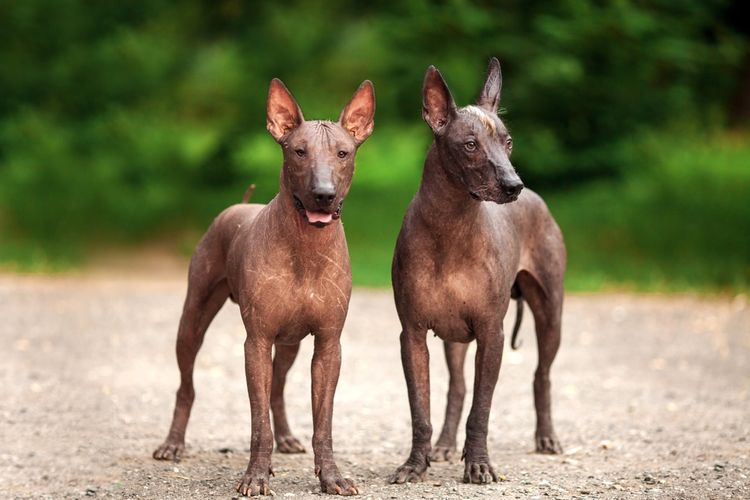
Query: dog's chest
[[293, 305], [444, 289]]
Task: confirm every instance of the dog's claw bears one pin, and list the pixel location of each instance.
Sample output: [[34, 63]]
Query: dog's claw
[[289, 444], [337, 485], [549, 445], [479, 473], [408, 473], [442, 453], [254, 484], [169, 451]]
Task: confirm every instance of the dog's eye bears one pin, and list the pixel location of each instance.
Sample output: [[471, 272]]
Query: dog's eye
[[470, 146], [509, 143], [343, 154], [300, 152]]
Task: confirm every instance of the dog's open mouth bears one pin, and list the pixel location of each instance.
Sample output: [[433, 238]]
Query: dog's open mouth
[[499, 199], [318, 218]]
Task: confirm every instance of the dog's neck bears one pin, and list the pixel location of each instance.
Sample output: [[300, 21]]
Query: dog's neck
[[443, 201], [296, 233]]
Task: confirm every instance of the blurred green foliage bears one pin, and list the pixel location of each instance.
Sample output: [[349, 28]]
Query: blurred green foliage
[[121, 121], [679, 223]]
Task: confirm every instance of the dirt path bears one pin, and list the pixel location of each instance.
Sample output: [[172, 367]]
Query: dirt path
[[651, 398]]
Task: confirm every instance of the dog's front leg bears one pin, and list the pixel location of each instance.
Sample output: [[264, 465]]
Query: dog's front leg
[[445, 447], [415, 358], [489, 355], [326, 364], [258, 371]]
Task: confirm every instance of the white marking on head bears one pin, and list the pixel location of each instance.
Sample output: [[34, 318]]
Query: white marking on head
[[484, 117]]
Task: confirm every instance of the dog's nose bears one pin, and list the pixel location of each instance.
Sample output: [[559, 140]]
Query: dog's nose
[[324, 195], [512, 189]]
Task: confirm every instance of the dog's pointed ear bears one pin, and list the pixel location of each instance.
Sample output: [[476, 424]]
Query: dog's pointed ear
[[438, 107], [489, 99], [358, 117], [282, 112]]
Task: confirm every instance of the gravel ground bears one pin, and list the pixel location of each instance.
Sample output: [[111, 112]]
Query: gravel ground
[[651, 399]]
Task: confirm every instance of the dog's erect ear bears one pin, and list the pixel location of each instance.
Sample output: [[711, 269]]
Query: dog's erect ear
[[490, 96], [437, 103], [358, 117], [282, 112]]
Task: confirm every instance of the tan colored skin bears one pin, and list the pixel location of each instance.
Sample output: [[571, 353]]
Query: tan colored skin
[[467, 237], [290, 278]]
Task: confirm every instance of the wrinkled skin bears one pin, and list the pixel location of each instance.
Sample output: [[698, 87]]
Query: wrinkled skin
[[469, 234], [287, 266]]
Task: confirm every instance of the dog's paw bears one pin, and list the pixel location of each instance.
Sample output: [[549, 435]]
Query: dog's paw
[[336, 485], [408, 473], [442, 453], [548, 444], [254, 483], [479, 472], [169, 450], [289, 444]]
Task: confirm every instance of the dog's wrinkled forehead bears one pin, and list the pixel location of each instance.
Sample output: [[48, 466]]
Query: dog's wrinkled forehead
[[323, 132], [489, 121]]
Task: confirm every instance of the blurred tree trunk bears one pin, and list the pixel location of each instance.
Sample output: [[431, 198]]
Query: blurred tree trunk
[[739, 108]]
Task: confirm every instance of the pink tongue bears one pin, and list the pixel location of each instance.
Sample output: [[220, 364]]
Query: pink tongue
[[318, 217]]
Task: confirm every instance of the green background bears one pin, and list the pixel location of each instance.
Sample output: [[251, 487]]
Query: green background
[[123, 123]]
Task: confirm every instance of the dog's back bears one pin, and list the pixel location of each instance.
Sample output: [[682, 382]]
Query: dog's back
[[534, 231], [213, 248]]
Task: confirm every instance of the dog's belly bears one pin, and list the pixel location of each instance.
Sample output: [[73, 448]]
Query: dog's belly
[[447, 318], [453, 329]]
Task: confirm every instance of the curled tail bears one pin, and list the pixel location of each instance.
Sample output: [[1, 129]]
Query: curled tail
[[248, 193], [515, 293]]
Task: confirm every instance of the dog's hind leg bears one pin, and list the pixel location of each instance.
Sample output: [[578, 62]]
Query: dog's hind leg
[[207, 292], [445, 447], [546, 305], [282, 362]]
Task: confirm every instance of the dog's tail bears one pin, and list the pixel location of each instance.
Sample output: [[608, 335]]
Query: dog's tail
[[515, 293], [248, 193]]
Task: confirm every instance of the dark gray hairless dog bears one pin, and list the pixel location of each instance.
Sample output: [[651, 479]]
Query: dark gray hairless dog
[[470, 240], [287, 266]]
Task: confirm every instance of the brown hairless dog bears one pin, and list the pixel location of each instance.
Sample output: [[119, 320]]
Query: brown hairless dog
[[287, 266], [470, 240]]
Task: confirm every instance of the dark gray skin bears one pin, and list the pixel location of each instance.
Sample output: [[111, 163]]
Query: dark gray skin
[[468, 236], [287, 266]]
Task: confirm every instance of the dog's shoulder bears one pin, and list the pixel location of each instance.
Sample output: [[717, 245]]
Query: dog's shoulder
[[235, 217]]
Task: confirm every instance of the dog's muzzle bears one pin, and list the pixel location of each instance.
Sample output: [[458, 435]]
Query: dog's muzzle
[[502, 194], [318, 218]]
